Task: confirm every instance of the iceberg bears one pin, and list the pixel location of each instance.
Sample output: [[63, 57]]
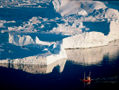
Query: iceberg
[[93, 56], [20, 40], [37, 41], [92, 39], [82, 12], [53, 51], [85, 40]]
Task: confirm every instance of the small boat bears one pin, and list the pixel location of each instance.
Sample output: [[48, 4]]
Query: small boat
[[87, 79]]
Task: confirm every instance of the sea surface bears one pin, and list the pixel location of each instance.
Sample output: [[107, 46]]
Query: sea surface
[[61, 75]]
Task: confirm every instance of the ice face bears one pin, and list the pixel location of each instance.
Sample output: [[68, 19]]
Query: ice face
[[92, 39], [93, 56]]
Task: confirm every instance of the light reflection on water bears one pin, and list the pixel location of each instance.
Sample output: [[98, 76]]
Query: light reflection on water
[[36, 68]]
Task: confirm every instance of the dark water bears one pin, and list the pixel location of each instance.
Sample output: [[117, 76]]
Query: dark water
[[105, 76]]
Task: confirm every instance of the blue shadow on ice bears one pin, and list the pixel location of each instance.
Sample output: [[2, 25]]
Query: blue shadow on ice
[[14, 52], [11, 51]]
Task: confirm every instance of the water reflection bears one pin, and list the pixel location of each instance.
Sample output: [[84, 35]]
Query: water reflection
[[36, 68], [92, 56]]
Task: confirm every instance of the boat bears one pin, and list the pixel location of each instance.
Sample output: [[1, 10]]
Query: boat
[[87, 79]]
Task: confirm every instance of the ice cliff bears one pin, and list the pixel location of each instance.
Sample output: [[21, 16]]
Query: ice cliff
[[93, 56], [92, 39]]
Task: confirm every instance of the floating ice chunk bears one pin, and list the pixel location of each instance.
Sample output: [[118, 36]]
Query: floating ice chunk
[[1, 25], [42, 26], [82, 12], [67, 29], [39, 6], [11, 28], [34, 20], [11, 21], [37, 41], [45, 19], [20, 40]]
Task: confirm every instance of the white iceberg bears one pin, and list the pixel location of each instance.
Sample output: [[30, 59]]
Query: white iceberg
[[55, 51], [92, 39], [93, 56], [82, 12], [20, 40]]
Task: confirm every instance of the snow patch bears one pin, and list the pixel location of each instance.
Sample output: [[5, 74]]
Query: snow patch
[[20, 40]]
